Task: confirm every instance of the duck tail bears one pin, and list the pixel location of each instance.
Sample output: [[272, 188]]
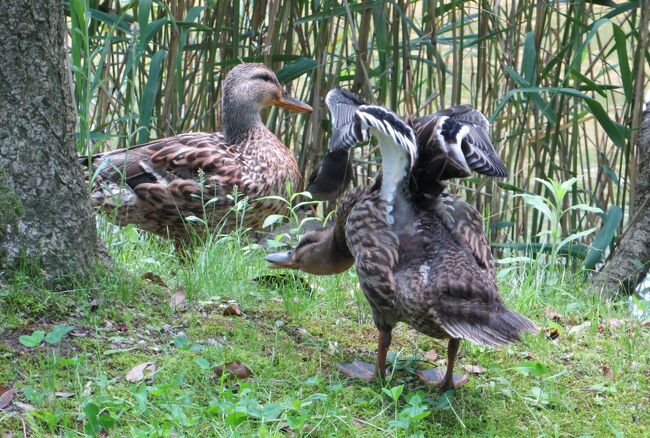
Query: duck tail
[[496, 328]]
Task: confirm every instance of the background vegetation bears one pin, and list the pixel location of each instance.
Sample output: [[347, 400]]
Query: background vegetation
[[556, 78]]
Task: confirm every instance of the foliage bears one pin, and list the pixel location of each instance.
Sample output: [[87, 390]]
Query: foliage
[[557, 80], [588, 381]]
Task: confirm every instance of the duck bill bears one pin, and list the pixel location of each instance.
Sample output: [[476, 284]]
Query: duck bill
[[279, 260], [290, 103]]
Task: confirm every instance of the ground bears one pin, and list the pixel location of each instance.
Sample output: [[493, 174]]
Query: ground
[[587, 374]]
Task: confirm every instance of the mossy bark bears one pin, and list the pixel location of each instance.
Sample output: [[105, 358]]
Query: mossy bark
[[49, 223]]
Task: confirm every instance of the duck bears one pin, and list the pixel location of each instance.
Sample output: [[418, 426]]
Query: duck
[[421, 255], [160, 184]]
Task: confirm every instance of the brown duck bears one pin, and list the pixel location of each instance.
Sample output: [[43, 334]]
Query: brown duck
[[421, 256], [157, 185]]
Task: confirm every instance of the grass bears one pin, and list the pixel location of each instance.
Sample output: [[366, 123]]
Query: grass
[[592, 380]]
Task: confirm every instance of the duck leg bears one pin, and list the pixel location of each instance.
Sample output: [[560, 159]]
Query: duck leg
[[367, 371], [446, 380]]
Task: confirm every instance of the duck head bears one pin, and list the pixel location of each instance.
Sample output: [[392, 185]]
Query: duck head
[[247, 90], [319, 252]]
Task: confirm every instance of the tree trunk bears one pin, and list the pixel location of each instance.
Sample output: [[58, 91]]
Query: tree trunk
[[46, 221], [629, 263]]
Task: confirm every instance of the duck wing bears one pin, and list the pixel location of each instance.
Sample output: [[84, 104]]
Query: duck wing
[[178, 173], [456, 140], [465, 224], [442, 287], [331, 176], [346, 127]]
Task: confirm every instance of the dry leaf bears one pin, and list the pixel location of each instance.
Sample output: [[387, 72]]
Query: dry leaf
[[553, 333], [178, 298], [474, 369], [431, 355], [6, 396], [136, 374], [552, 314], [607, 372], [154, 278], [63, 394], [232, 310], [578, 328], [646, 323], [235, 368], [613, 322]]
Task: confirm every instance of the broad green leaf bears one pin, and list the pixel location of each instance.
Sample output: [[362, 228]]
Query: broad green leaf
[[149, 95], [576, 236], [296, 69], [585, 207], [203, 363], [32, 340], [529, 59], [57, 333], [604, 237], [539, 203], [533, 368], [272, 219]]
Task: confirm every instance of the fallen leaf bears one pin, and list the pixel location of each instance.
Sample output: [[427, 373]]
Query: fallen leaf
[[553, 333], [94, 306], [136, 374], [235, 368], [646, 323], [474, 369], [578, 328], [63, 394], [552, 314], [607, 372], [431, 355], [25, 407], [178, 298], [232, 310], [613, 322], [154, 278], [6, 396]]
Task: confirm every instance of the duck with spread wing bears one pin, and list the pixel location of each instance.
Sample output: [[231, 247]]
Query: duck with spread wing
[[421, 255]]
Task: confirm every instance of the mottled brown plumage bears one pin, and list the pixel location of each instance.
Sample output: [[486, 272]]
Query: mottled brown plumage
[[421, 256], [158, 184]]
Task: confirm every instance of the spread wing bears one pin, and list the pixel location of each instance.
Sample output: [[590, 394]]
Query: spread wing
[[457, 140], [346, 128]]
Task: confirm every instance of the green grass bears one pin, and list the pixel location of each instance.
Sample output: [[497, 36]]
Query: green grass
[[592, 381]]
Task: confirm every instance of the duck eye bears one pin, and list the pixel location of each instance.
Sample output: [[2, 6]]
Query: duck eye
[[265, 77]]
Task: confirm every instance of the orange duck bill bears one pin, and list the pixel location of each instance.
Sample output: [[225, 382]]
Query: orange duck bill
[[290, 103]]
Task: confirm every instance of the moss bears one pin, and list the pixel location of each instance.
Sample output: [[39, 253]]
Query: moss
[[10, 206]]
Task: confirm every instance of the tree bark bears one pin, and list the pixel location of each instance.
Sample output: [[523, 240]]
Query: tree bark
[[46, 221], [628, 265]]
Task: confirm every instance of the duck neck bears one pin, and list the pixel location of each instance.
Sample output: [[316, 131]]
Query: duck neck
[[395, 171], [239, 118]]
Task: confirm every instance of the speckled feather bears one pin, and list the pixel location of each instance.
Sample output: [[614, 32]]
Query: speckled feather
[[162, 180], [432, 267]]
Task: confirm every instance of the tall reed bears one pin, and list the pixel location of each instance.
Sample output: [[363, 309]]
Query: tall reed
[[561, 82]]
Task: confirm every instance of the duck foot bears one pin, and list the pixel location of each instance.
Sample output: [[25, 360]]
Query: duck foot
[[436, 377], [360, 370]]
